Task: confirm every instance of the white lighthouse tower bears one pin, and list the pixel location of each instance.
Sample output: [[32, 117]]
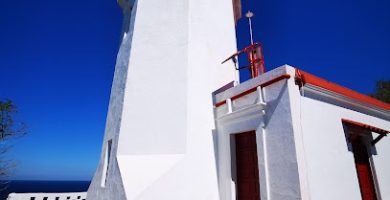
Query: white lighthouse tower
[[158, 141], [284, 134]]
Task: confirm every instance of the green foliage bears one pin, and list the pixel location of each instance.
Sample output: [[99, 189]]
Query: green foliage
[[382, 91]]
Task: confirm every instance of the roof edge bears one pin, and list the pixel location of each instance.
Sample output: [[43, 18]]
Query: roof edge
[[304, 78]]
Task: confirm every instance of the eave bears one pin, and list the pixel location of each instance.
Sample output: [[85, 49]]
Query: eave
[[323, 90]]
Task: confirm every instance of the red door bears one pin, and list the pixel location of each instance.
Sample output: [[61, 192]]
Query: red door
[[248, 187], [363, 169]]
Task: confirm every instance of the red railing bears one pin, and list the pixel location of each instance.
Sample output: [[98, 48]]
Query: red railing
[[255, 59]]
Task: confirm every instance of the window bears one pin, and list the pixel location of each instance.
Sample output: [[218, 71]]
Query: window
[[362, 145], [106, 164]]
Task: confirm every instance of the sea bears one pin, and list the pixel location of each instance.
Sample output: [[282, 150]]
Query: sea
[[29, 186]]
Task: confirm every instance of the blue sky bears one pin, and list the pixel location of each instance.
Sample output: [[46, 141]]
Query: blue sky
[[57, 61]]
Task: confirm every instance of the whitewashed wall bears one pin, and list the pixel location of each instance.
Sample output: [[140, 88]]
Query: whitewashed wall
[[326, 167], [330, 166]]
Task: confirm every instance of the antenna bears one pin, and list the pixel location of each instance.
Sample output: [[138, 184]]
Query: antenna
[[249, 15], [254, 53]]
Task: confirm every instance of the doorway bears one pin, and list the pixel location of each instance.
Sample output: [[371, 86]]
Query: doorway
[[247, 170]]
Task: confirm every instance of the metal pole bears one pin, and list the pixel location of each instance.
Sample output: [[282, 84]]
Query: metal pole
[[250, 29], [249, 15]]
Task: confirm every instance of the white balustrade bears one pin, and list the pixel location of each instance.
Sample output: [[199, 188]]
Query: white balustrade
[[48, 196]]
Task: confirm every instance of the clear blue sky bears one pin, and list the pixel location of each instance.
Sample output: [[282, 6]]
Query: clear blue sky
[[57, 61]]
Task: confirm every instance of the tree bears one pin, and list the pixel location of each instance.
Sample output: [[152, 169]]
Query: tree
[[382, 91], [10, 129]]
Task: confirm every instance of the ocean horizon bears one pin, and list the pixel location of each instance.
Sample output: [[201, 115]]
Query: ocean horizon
[[41, 186]]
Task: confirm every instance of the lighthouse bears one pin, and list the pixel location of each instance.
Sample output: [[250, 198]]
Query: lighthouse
[[158, 141]]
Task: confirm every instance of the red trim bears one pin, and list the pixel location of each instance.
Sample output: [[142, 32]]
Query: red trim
[[303, 78], [272, 81], [253, 89], [220, 103], [366, 126], [244, 93]]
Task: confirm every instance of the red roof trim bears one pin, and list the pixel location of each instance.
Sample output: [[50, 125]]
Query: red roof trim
[[366, 126], [305, 78], [253, 89]]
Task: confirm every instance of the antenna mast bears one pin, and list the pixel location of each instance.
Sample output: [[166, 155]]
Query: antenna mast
[[249, 15], [254, 53]]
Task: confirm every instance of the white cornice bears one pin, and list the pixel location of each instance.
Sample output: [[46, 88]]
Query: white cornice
[[324, 95]]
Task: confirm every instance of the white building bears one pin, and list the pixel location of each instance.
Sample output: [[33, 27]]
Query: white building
[[283, 135], [290, 135]]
